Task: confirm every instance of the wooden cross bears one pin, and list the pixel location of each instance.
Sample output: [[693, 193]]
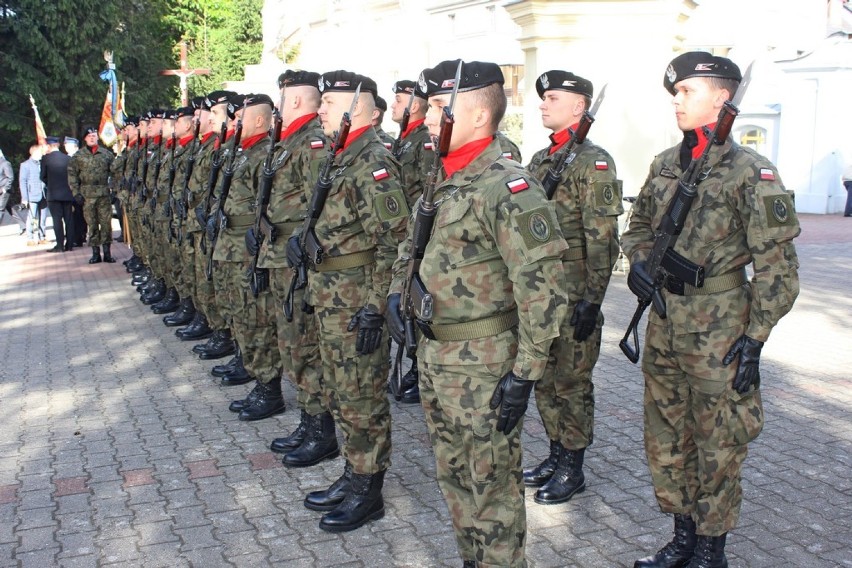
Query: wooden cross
[[184, 72]]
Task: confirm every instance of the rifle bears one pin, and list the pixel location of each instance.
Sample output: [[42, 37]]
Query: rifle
[[167, 206], [134, 174], [143, 195], [216, 164], [403, 126], [259, 277], [554, 173], [663, 259], [424, 219], [219, 216], [309, 244], [157, 167], [183, 203]]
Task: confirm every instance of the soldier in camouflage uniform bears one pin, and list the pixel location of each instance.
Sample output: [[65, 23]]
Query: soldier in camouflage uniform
[[155, 289], [359, 229], [88, 175], [378, 118], [142, 274], [252, 318], [509, 149], [296, 163], [117, 181], [127, 195], [701, 363], [588, 202], [493, 269]]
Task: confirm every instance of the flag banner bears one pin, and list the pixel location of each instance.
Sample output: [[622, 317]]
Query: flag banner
[[106, 130], [41, 136]]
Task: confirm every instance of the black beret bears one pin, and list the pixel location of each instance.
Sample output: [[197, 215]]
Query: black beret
[[145, 116], [403, 86], [197, 103], [347, 82], [157, 113], [563, 81], [293, 78], [217, 98], [381, 104], [131, 120], [235, 103], [52, 140], [475, 75], [184, 111], [171, 114], [89, 130], [258, 99], [699, 64]]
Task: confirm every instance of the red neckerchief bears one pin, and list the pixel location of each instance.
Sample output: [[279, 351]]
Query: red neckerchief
[[144, 141], [206, 137], [131, 143], [559, 139], [702, 140], [353, 136], [294, 126], [228, 133], [94, 149], [185, 140], [247, 143], [169, 143], [460, 158], [412, 126], [157, 139]]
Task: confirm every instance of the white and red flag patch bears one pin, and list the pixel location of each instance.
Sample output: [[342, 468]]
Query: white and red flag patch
[[517, 185], [381, 174], [428, 146], [507, 155], [316, 144], [601, 165], [766, 174], [388, 145]]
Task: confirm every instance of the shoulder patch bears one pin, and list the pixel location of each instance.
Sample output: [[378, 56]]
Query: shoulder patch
[[766, 174], [388, 145], [601, 165], [517, 185], [428, 146], [317, 144], [392, 205], [381, 174], [507, 155]]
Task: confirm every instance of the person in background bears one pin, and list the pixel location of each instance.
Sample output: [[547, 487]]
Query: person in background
[[7, 176], [54, 174], [33, 196]]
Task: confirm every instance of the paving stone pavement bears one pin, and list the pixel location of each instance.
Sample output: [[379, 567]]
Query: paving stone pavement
[[117, 447]]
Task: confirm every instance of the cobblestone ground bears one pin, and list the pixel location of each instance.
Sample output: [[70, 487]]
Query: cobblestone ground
[[117, 448]]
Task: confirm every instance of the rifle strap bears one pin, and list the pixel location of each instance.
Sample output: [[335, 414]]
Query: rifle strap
[[354, 260], [712, 284], [465, 331], [286, 228]]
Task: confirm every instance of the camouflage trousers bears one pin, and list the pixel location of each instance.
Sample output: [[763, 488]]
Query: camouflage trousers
[[354, 386], [478, 468], [186, 267], [205, 295], [252, 323], [697, 428], [163, 251], [135, 232], [97, 211], [565, 395], [298, 344]]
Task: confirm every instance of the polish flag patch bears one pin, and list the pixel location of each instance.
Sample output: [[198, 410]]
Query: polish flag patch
[[766, 174], [316, 144], [428, 146], [601, 165], [507, 155], [518, 185], [388, 145], [381, 174]]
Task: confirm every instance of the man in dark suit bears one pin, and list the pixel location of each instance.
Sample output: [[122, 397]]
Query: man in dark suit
[[54, 173]]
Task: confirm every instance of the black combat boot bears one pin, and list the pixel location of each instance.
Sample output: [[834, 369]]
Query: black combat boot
[[107, 254], [229, 367], [197, 329], [363, 503], [411, 385], [151, 284], [320, 444], [224, 346], [137, 267], [268, 402], [676, 553], [169, 303], [140, 277], [154, 294], [541, 474], [243, 403], [96, 256], [330, 498], [184, 314], [566, 481], [709, 552], [237, 374], [469, 564], [294, 439], [202, 347]]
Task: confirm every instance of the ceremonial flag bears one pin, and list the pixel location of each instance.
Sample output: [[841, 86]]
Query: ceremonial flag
[[106, 130], [39, 127]]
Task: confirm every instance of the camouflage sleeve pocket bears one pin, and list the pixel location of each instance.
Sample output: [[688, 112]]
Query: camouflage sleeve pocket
[[607, 197], [536, 234], [777, 218]]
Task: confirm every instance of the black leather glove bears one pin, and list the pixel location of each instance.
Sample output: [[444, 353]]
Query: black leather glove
[[584, 319], [512, 395], [396, 326], [369, 324], [640, 282], [295, 257], [748, 369], [252, 246], [211, 228], [201, 216]]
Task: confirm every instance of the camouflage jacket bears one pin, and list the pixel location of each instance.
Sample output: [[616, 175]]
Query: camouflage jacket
[[385, 138], [742, 214], [508, 149], [588, 203], [297, 162], [155, 175], [239, 206], [198, 183], [415, 159], [89, 173], [170, 192], [365, 211], [496, 247], [145, 152], [117, 180]]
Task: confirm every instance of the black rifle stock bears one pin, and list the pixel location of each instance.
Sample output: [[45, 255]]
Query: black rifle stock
[[143, 195], [259, 277], [219, 216], [183, 202], [396, 149], [670, 228], [134, 170], [167, 205], [157, 165], [315, 207], [554, 173], [215, 166]]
